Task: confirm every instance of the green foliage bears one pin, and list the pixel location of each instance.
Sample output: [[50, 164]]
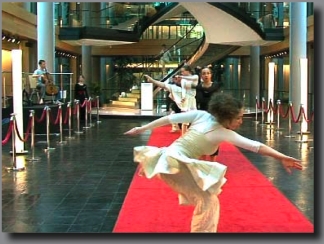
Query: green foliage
[[95, 89]]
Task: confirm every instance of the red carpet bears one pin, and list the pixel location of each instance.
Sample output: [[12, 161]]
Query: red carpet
[[249, 202]]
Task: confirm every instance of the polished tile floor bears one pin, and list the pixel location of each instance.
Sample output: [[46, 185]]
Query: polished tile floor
[[78, 185]]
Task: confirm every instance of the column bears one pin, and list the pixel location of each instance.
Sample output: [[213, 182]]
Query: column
[[86, 50], [298, 50], [65, 14], [255, 75], [86, 64], [280, 81], [104, 15], [96, 67], [255, 62], [104, 67], [245, 80], [46, 34], [235, 76]]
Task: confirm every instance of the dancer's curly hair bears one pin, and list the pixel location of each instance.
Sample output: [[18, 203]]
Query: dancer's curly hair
[[224, 107]]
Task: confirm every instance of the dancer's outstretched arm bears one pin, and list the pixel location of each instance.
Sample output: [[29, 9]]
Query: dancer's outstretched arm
[[155, 123], [287, 161], [155, 82]]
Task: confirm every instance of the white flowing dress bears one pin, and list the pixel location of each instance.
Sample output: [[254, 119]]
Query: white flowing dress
[[187, 149]]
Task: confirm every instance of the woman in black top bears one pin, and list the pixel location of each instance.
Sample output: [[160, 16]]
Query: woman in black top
[[206, 88], [81, 93]]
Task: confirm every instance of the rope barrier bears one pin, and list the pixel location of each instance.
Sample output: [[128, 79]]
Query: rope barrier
[[311, 117], [294, 116], [90, 112], [8, 135], [86, 114], [289, 121], [13, 136], [75, 108], [26, 134], [48, 109], [256, 111], [61, 142], [42, 117], [282, 114], [56, 121], [67, 114], [78, 117], [278, 115], [32, 144], [98, 121], [69, 110]]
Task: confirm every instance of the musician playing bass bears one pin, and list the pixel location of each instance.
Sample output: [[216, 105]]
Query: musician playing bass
[[43, 81]]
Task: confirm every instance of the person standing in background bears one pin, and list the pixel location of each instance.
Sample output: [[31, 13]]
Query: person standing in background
[[40, 75], [205, 89], [81, 93]]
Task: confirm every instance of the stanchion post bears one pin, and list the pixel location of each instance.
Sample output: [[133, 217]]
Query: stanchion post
[[278, 115], [70, 121], [262, 112], [77, 103], [32, 144], [301, 129], [90, 112], [256, 110], [86, 114], [98, 121], [61, 142], [4, 93], [48, 149], [289, 121], [270, 116], [13, 135]]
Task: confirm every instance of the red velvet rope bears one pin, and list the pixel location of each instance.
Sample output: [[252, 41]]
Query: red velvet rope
[[9, 132], [27, 131], [75, 110], [89, 106], [273, 108], [266, 111], [311, 117], [84, 103], [294, 116], [282, 114], [57, 120], [95, 103], [67, 115], [42, 117]]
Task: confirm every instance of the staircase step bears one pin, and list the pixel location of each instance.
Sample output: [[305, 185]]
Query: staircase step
[[136, 91], [128, 99], [120, 106], [122, 103], [136, 95]]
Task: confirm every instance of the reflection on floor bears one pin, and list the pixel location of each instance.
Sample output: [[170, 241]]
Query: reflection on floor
[[80, 183]]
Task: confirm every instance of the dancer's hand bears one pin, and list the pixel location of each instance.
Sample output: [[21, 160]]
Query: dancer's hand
[[291, 163], [134, 131]]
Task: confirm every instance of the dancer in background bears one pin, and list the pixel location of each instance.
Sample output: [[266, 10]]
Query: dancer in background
[[199, 182], [165, 58], [182, 92]]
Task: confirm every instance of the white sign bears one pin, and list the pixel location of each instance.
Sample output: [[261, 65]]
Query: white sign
[[147, 96]]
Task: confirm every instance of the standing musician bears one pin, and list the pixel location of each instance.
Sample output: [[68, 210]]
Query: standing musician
[[43, 81]]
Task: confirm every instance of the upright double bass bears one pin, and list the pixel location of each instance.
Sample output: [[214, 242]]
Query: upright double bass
[[50, 88]]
